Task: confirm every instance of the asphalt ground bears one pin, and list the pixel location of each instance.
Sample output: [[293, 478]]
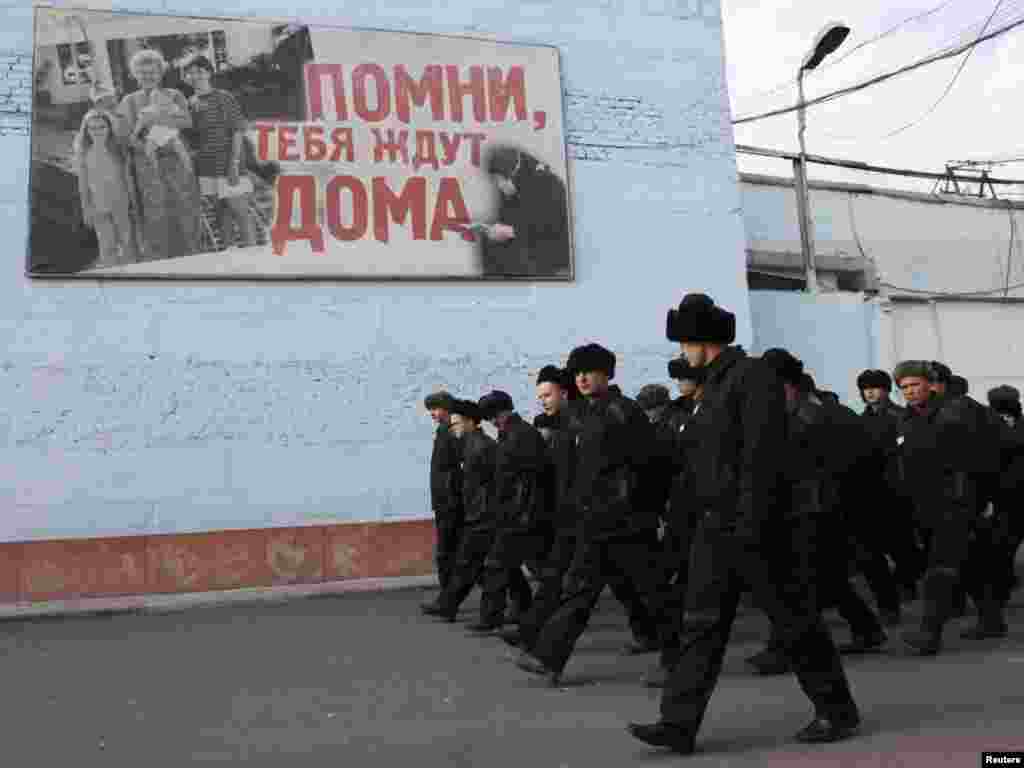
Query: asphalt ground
[[362, 680]]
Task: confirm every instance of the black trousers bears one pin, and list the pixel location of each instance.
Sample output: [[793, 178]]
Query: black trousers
[[448, 530], [947, 529], [987, 571], [627, 563], [549, 590], [512, 548], [1009, 533], [668, 603], [734, 566], [476, 542], [901, 540]]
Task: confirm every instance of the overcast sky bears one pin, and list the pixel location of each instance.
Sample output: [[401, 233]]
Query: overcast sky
[[979, 119]]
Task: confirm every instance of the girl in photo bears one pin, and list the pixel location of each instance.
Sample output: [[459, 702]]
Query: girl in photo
[[105, 188]]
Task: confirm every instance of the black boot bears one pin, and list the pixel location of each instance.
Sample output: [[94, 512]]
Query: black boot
[[991, 618], [823, 730], [864, 644], [939, 599], [667, 735]]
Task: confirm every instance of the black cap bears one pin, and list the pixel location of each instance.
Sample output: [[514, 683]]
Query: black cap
[[494, 403]]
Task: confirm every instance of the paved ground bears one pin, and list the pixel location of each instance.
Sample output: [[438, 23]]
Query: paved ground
[[362, 681]]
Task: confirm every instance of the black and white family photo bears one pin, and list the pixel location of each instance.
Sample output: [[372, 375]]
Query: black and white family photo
[[140, 144]]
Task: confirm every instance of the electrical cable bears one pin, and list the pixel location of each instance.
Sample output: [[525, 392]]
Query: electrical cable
[[881, 78], [949, 87], [891, 30]]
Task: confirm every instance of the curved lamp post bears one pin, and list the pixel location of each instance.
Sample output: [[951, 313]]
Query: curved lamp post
[[827, 41]]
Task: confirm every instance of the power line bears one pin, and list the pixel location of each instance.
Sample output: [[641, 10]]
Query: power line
[[970, 31], [949, 87], [881, 78], [891, 30]]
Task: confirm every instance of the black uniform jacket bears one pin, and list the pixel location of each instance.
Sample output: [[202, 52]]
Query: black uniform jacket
[[445, 480], [478, 458], [614, 446], [740, 464], [682, 506], [939, 458], [560, 433], [520, 466]]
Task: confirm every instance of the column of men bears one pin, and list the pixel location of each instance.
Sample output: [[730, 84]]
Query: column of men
[[752, 480]]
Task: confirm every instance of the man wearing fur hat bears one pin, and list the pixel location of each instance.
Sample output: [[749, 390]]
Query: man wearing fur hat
[[521, 465], [559, 424], [742, 487], [680, 520], [614, 545], [943, 461], [480, 523], [445, 485]]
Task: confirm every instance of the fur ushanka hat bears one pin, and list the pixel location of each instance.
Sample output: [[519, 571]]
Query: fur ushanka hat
[[699, 319], [912, 369], [940, 373], [589, 358], [494, 403], [439, 399], [554, 375], [874, 379], [788, 367], [467, 409], [1005, 399], [653, 396], [958, 386]]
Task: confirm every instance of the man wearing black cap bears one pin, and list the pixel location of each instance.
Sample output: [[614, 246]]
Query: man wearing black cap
[[615, 531], [445, 486], [1009, 522], [531, 236], [899, 537], [939, 376], [742, 484], [559, 424], [876, 391], [521, 466], [856, 472], [943, 462], [480, 522], [829, 449]]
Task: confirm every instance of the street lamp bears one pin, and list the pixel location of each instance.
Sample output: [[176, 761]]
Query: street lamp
[[827, 41]]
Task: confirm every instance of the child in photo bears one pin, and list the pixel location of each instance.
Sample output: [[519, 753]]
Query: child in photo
[[105, 189], [220, 129]]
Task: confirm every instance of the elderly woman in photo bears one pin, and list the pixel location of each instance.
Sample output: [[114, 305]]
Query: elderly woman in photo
[[531, 235], [149, 120]]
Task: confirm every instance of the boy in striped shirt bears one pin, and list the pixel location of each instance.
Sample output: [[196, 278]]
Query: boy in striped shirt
[[220, 128]]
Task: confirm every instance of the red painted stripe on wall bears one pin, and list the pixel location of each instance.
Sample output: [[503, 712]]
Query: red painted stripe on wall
[[65, 569]]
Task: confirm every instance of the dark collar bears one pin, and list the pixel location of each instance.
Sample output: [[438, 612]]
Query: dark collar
[[723, 363]]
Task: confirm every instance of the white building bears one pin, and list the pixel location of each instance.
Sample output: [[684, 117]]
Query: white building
[[902, 275]]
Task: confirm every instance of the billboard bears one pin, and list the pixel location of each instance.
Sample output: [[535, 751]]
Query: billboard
[[186, 147]]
